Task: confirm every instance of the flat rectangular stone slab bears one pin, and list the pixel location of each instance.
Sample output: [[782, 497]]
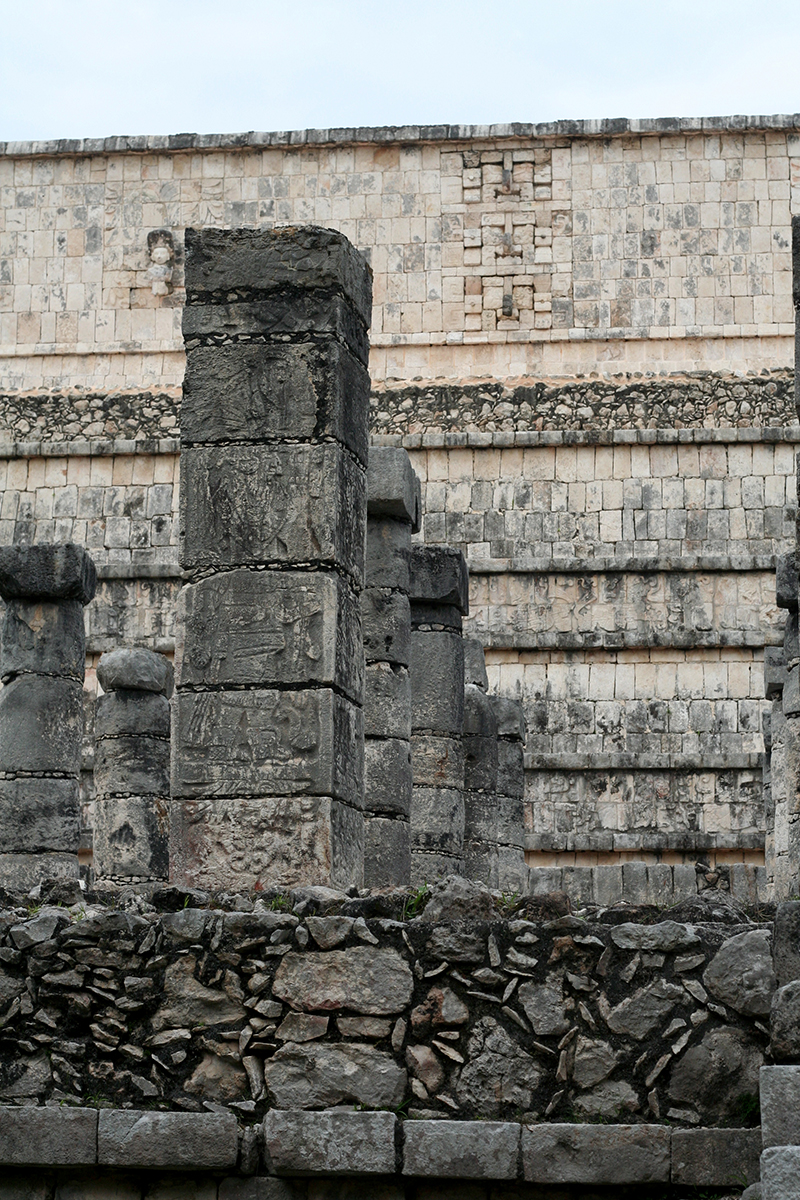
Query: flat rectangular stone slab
[[21, 872], [255, 505], [44, 636], [715, 1157], [330, 1143], [602, 1154], [296, 257], [461, 1149], [246, 392], [266, 742], [52, 1137], [41, 724], [779, 1092], [437, 682], [264, 627], [47, 572], [280, 841], [439, 575], [166, 1140]]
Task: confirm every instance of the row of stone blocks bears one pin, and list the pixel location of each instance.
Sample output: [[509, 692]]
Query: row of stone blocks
[[346, 1143], [659, 884]]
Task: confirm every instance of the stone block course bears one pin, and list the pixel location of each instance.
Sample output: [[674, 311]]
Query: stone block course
[[780, 1173], [461, 1149], [172, 1140], [715, 1157], [335, 1142], [55, 1137], [610, 1154]]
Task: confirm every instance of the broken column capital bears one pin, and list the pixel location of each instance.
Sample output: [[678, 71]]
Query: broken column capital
[[439, 575], [47, 572]]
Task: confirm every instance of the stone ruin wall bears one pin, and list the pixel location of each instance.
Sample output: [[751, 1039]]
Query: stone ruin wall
[[582, 335]]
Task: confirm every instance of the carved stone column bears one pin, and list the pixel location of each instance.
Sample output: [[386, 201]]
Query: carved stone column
[[42, 662], [268, 743]]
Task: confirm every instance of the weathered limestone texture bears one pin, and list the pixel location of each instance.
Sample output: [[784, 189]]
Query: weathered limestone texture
[[393, 514], [267, 748], [439, 592], [42, 657], [131, 772]]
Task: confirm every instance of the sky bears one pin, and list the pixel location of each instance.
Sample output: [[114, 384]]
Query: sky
[[93, 68]]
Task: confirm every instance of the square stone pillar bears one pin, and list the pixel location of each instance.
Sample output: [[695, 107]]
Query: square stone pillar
[[439, 592], [782, 796], [267, 734], [393, 514], [42, 659]]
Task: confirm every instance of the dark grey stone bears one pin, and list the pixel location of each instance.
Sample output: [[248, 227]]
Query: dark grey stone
[[741, 974], [715, 1157], [510, 768], [132, 766], [791, 692], [21, 872], [48, 1137], [439, 575], [41, 725], [598, 1154], [38, 815], [786, 942], [251, 505], [717, 1074], [393, 487], [427, 866], [387, 776], [386, 625], [388, 548], [246, 392], [461, 1149], [172, 1140], [480, 764], [774, 671], [267, 742], [330, 1143], [480, 720], [437, 682], [43, 636], [475, 664], [47, 572], [276, 319], [437, 821], [510, 715], [785, 1023], [135, 669], [303, 257], [387, 852], [480, 818], [437, 761], [287, 627], [131, 837], [321, 1074], [387, 701], [130, 713], [436, 616], [786, 582]]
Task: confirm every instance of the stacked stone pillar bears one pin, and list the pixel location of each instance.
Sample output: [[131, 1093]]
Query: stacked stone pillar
[[480, 770], [131, 774], [512, 873], [393, 514], [268, 744], [42, 658], [439, 592]]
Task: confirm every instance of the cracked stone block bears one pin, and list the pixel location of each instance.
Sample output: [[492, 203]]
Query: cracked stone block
[[386, 626], [131, 837], [249, 505], [135, 669], [439, 575], [342, 1143], [598, 1154], [256, 627], [387, 701], [39, 815], [127, 1138], [461, 1149], [52, 1137], [45, 637], [277, 841], [245, 392], [41, 725], [129, 713], [387, 776], [265, 742]]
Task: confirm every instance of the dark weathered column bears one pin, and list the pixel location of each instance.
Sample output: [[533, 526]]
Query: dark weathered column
[[439, 591], [512, 873], [393, 513], [267, 768], [782, 798], [480, 770], [41, 710], [131, 773]]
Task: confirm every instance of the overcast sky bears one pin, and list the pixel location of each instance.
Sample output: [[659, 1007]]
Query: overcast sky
[[88, 68]]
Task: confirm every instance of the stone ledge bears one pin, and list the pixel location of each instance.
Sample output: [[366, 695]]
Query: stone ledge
[[596, 1153], [642, 762], [380, 134], [461, 1149], [88, 448], [677, 639], [48, 1136], [170, 1140], [622, 564], [644, 839], [715, 1157], [510, 439], [330, 1143]]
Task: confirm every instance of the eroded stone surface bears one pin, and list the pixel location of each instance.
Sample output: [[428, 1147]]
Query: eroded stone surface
[[640, 1013], [363, 979], [498, 1075], [317, 1075], [741, 973]]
